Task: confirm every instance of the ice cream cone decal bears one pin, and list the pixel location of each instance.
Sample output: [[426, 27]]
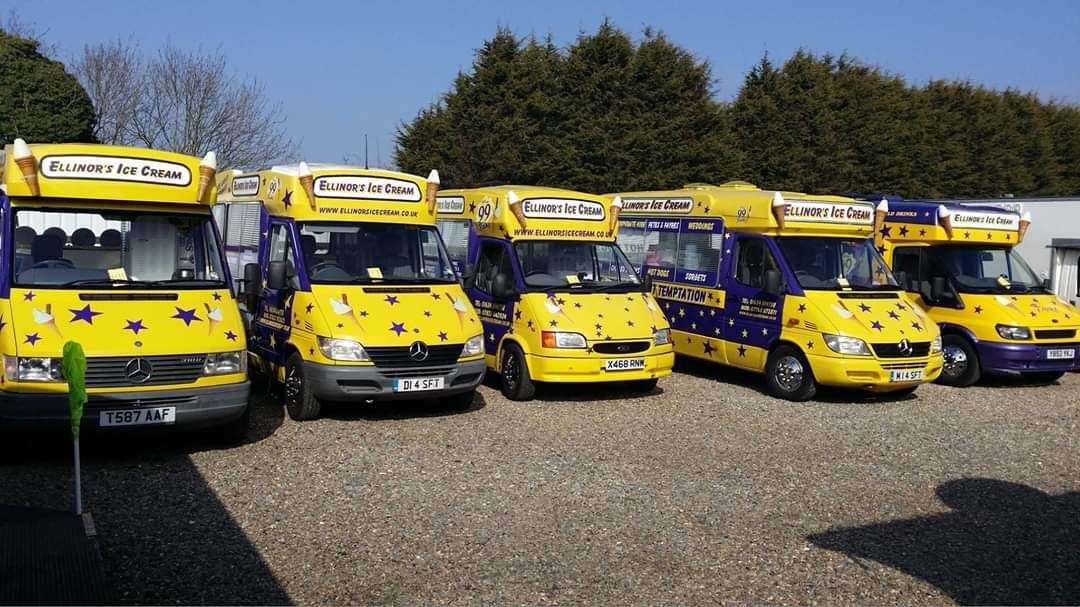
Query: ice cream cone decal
[[779, 209], [459, 308], [515, 206], [880, 212], [432, 190], [945, 219], [616, 208], [1025, 223], [554, 307], [307, 181], [842, 311], [28, 165], [1004, 301], [341, 307], [213, 316], [207, 170], [45, 318]]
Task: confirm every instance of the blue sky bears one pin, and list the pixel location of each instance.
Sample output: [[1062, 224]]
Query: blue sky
[[341, 69]]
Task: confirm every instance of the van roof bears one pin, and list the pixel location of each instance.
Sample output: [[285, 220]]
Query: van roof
[[524, 212], [927, 221]]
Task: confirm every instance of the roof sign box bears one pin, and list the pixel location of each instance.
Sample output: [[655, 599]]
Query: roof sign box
[[451, 204], [115, 168], [248, 185], [828, 212], [679, 206], [980, 220], [366, 188]]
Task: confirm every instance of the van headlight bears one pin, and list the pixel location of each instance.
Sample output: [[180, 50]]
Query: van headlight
[[661, 337], [342, 349], [474, 346], [562, 339], [22, 368], [842, 344], [1010, 332], [935, 345], [224, 363]]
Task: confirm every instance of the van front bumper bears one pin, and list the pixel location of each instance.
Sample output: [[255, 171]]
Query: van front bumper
[[346, 383], [591, 369], [1013, 358], [195, 407], [871, 373]]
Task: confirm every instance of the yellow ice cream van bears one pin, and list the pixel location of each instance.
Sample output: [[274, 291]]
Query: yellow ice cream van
[[996, 315], [781, 283], [115, 248], [558, 300], [349, 289]]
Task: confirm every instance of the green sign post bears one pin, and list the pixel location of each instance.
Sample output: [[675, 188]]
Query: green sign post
[[74, 369]]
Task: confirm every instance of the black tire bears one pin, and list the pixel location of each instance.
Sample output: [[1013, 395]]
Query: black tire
[[642, 386], [300, 403], [235, 431], [459, 402], [788, 375], [1044, 377], [961, 368], [516, 383]]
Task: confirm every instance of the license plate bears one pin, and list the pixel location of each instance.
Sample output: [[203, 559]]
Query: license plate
[[137, 417], [905, 375], [1061, 353], [418, 384], [624, 364]]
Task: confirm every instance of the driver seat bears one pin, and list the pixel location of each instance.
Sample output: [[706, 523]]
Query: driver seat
[[46, 247]]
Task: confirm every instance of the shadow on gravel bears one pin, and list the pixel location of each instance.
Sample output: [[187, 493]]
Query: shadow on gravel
[[398, 410], [755, 381], [1003, 544], [164, 534], [583, 392]]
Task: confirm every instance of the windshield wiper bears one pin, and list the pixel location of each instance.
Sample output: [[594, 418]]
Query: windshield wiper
[[198, 281], [616, 285], [110, 282]]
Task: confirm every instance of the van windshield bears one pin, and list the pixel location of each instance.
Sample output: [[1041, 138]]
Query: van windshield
[[983, 269], [577, 265], [836, 263], [104, 249], [349, 253]]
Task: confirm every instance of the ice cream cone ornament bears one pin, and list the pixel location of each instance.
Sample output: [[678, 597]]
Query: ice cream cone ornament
[[307, 182], [341, 307], [432, 189], [880, 212], [459, 308], [207, 170], [842, 311], [779, 208], [515, 206], [45, 317], [553, 307], [1025, 223], [24, 158], [945, 219], [616, 208], [213, 315]]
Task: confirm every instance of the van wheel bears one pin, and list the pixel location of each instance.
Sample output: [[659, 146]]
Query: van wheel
[[459, 402], [642, 386], [961, 368], [788, 375], [1045, 377], [299, 401], [516, 383]]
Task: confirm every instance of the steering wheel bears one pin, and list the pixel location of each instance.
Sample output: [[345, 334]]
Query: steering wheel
[[322, 265], [535, 272], [53, 263]]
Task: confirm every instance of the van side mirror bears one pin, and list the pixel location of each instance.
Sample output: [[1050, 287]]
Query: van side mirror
[[277, 275], [501, 287], [646, 284], [937, 288], [1046, 283], [773, 283], [467, 276], [252, 285]]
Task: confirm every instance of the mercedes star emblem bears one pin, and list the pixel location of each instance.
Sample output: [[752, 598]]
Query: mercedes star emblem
[[138, 370], [418, 351]]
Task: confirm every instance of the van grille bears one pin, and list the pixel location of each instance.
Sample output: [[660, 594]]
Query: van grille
[[112, 371], [1055, 334], [918, 349], [394, 357], [621, 347]]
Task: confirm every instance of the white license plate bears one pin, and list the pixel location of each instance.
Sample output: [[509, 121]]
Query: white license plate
[[137, 417], [1061, 353], [624, 364], [418, 384], [905, 375]]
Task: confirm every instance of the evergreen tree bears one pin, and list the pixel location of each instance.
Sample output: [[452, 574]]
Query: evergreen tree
[[41, 102]]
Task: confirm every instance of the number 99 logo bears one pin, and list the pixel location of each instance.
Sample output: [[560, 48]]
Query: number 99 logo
[[485, 212]]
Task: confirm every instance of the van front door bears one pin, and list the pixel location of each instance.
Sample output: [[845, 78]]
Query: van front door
[[496, 315], [274, 314], [751, 314]]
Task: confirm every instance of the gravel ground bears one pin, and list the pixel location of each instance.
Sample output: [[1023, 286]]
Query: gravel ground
[[706, 491]]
